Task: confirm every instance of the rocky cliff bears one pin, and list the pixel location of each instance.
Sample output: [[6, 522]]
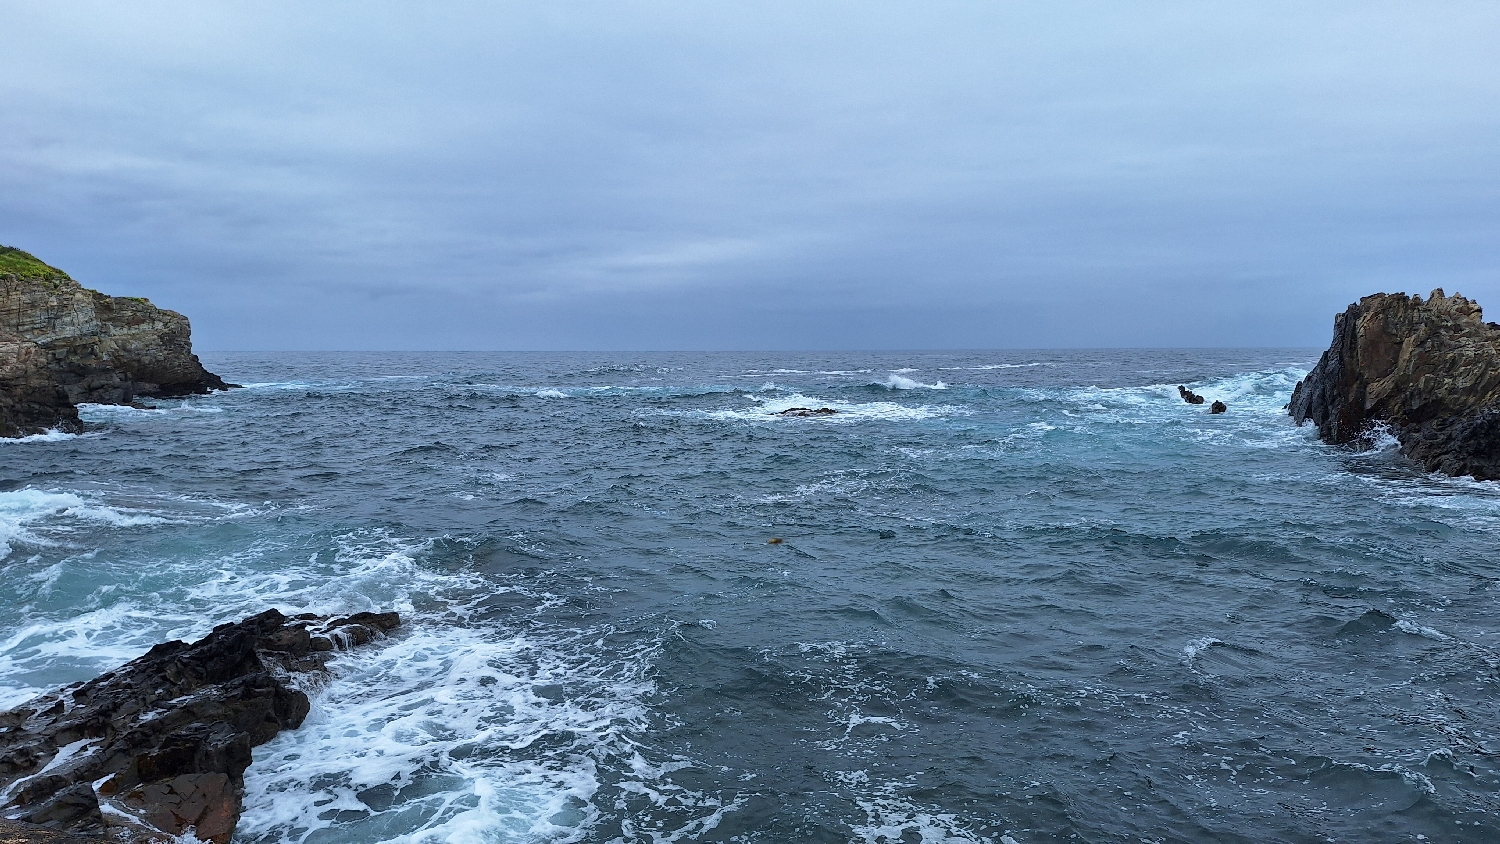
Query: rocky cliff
[[62, 344], [1430, 370], [158, 748]]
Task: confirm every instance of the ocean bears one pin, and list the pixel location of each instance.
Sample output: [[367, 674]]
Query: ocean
[[1019, 597]]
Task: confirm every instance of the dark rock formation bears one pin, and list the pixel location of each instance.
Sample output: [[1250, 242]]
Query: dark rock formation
[[1188, 395], [62, 344], [1430, 370], [1218, 407], [804, 411], [159, 746]]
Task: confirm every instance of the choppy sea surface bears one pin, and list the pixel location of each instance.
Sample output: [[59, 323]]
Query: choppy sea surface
[[1021, 597]]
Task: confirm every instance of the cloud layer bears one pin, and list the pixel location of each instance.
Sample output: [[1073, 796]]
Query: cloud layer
[[755, 175]]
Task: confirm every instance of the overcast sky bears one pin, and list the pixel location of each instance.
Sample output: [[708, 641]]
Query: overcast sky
[[754, 175]]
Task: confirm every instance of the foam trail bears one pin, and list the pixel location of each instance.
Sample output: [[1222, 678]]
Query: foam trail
[[900, 382], [770, 409], [450, 734], [890, 817], [49, 436], [27, 506]]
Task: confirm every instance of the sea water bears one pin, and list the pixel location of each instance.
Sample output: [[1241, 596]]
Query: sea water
[[1020, 597]]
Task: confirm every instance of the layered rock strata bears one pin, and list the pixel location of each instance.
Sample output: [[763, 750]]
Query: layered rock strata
[[158, 747], [62, 344], [1428, 369]]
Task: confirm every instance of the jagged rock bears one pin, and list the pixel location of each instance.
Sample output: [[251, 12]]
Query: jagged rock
[[1430, 370], [62, 344], [805, 411], [1188, 395], [159, 746], [1218, 407]]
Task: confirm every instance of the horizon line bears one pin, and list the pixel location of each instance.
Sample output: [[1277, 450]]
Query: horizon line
[[769, 351]]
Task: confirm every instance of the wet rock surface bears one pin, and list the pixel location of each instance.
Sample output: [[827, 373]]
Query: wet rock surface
[[1427, 369], [15, 832], [1188, 395], [807, 411], [159, 746], [62, 344]]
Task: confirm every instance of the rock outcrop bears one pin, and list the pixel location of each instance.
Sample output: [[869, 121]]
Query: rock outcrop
[[1429, 370], [159, 746], [62, 344], [807, 411], [1188, 395]]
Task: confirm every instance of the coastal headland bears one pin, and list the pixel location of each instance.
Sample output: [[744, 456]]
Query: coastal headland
[[62, 344], [1426, 369]]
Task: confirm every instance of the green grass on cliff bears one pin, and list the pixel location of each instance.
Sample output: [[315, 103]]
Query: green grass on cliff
[[13, 260]]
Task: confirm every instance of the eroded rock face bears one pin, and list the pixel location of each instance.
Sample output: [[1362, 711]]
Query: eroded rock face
[[1430, 369], [62, 344], [159, 746]]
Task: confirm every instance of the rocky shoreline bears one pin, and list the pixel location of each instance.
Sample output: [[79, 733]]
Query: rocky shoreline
[[158, 747], [1428, 370], [62, 344]]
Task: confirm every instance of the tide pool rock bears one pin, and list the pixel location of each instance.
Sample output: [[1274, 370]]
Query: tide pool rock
[[1429, 369], [62, 344], [158, 747]]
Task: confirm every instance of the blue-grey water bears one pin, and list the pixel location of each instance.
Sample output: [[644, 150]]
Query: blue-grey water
[[1022, 597]]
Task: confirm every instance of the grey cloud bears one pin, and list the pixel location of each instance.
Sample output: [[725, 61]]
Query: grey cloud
[[751, 175]]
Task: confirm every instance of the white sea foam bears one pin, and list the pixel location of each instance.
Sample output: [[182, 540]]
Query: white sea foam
[[119, 610], [23, 507], [1421, 630], [49, 436], [104, 413], [550, 393], [450, 734], [22, 511], [891, 817], [897, 381], [1462, 503], [857, 720], [768, 408], [1197, 646], [1258, 393]]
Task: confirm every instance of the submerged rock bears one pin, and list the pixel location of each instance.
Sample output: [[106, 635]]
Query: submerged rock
[[1430, 370], [1373, 621], [159, 746], [1188, 395], [805, 411], [62, 344]]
